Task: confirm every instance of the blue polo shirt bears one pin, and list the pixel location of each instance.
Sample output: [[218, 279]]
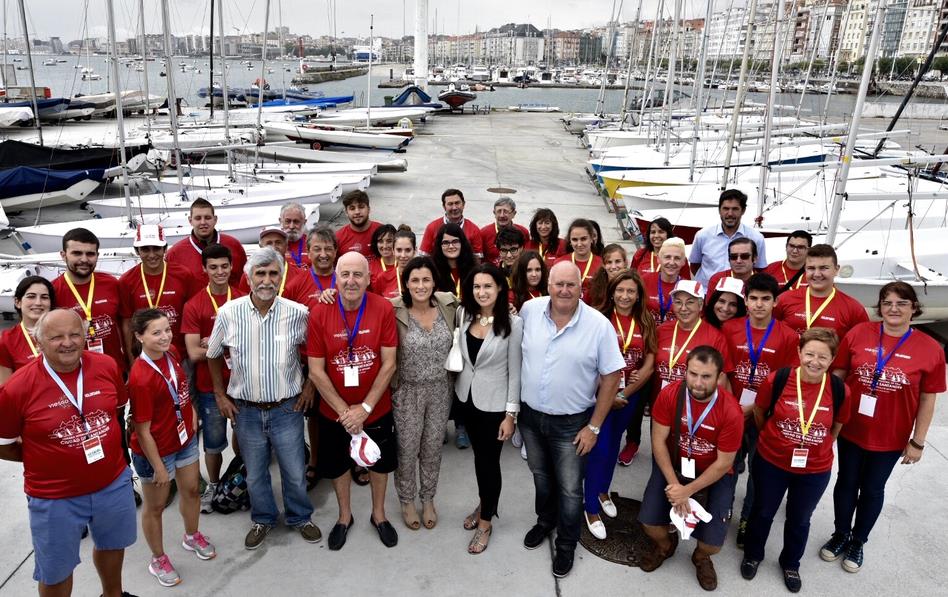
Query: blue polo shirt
[[560, 369], [710, 250]]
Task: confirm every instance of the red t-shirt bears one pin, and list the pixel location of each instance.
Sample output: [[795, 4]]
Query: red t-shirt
[[783, 273], [471, 231], [187, 253], [326, 339], [179, 286], [151, 401], [15, 351], [384, 282], [840, 315], [549, 257], [782, 434], [198, 318], [32, 407], [360, 242], [634, 354], [489, 240], [658, 293], [713, 283], [780, 351], [587, 269], [105, 311], [296, 253], [303, 288], [917, 366], [721, 430], [706, 334]]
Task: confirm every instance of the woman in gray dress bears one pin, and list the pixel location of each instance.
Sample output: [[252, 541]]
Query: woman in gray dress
[[423, 388]]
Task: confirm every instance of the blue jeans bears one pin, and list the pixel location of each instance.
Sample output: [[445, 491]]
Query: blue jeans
[[557, 471], [803, 491], [213, 424], [748, 450], [602, 460], [860, 487], [279, 429]]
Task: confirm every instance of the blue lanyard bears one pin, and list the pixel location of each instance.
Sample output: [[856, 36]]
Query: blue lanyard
[[351, 333], [312, 272], [298, 255], [697, 424], [74, 399], [663, 308], [882, 360], [171, 383], [751, 352]]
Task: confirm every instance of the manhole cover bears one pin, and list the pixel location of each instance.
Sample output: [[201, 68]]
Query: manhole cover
[[625, 539], [501, 190]]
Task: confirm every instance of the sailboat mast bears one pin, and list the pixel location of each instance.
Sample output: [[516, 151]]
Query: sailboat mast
[[809, 68], [226, 94], [4, 46], [368, 74], [653, 47], [769, 122], [119, 112], [610, 33], [263, 75], [628, 71], [282, 50], [172, 99], [699, 89], [29, 65], [669, 86], [834, 60], [141, 22], [741, 92], [210, 73]]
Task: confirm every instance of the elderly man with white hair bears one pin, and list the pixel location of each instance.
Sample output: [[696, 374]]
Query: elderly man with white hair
[[569, 379], [293, 223], [266, 395]]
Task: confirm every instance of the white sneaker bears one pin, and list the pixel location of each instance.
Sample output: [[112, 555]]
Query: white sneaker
[[608, 508], [523, 451], [597, 529], [207, 497], [516, 439]]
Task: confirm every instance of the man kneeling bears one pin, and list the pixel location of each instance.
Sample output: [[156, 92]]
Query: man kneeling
[[696, 431]]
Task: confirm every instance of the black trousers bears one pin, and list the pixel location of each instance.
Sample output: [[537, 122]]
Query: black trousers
[[482, 429]]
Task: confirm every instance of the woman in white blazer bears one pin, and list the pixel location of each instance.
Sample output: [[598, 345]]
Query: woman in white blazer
[[488, 386]]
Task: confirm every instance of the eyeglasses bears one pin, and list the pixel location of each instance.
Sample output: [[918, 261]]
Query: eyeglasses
[[791, 247], [739, 256], [896, 304], [451, 243], [509, 250], [686, 303]]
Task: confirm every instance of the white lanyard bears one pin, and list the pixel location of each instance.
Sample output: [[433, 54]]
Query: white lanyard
[[171, 383], [72, 398]]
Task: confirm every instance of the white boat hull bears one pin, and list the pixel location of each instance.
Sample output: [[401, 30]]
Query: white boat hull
[[284, 153], [76, 192], [290, 171], [336, 137], [195, 184]]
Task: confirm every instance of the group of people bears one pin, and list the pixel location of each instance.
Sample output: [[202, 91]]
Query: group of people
[[362, 346]]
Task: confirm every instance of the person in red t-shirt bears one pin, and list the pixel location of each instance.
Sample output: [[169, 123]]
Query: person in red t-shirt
[[530, 277], [276, 238], [306, 287], [580, 240], [741, 255], [505, 210], [820, 304], [790, 273], [387, 283], [658, 285], [646, 260], [293, 222], [357, 234], [383, 255], [614, 261], [452, 200], [154, 284], [187, 251], [794, 453], [352, 353], [164, 444], [692, 458], [894, 373], [95, 296], [61, 415], [544, 236], [34, 295], [196, 324]]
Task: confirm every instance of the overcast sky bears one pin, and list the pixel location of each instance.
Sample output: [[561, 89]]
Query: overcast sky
[[69, 19]]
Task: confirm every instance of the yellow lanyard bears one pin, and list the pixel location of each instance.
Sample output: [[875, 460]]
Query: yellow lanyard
[[533, 296], [628, 339], [213, 302], [542, 252], [286, 270], [87, 305], [805, 426], [672, 356], [786, 276], [809, 319], [651, 261], [382, 262], [161, 288], [398, 279], [589, 263], [457, 284], [29, 339]]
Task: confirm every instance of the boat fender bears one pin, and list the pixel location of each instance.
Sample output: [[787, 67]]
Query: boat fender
[[405, 123]]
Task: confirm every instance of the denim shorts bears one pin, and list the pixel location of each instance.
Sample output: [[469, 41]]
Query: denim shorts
[[213, 424], [56, 526], [187, 455]]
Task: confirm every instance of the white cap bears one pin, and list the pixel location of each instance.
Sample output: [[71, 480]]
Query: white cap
[[150, 235], [272, 230], [732, 285], [692, 287], [363, 450]]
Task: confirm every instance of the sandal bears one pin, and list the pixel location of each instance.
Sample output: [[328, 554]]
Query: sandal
[[429, 514], [410, 516], [311, 478], [360, 475], [470, 523], [479, 542]]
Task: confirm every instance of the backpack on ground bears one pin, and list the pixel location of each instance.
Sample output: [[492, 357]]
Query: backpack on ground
[[232, 493]]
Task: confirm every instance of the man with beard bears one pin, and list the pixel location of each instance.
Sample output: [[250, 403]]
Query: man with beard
[[357, 234], [452, 200], [293, 222], [709, 252], [95, 296], [265, 396], [275, 238], [187, 251]]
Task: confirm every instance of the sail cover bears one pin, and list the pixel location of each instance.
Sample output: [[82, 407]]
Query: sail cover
[[18, 153], [26, 181]]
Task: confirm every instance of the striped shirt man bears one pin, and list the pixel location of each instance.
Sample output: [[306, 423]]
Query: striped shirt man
[[264, 350]]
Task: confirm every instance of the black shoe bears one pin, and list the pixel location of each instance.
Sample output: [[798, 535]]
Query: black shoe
[[125, 594], [749, 568], [138, 498], [85, 532], [562, 563], [338, 534], [741, 533], [833, 549], [386, 532], [535, 536], [791, 578]]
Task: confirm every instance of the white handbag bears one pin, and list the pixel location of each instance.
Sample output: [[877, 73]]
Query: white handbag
[[455, 360]]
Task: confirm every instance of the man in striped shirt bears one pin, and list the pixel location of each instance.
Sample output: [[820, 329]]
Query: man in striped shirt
[[266, 395]]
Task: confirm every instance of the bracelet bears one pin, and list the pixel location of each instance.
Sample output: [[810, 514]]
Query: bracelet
[[916, 445], [512, 415], [366, 407]]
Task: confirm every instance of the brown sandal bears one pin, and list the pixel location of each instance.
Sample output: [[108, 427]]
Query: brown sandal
[[470, 523], [410, 516], [479, 541], [429, 515]]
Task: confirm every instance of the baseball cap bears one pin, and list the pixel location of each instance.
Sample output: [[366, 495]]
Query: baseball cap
[[363, 450], [150, 235], [272, 230], [692, 287], [729, 284]]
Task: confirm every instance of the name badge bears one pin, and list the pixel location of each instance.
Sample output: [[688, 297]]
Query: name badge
[[622, 381], [93, 449], [351, 376], [798, 460], [96, 346], [867, 405], [182, 433], [748, 397], [688, 467], [665, 384]]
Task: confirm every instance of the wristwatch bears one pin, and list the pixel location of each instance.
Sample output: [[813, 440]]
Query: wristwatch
[[512, 415], [594, 429], [366, 407]]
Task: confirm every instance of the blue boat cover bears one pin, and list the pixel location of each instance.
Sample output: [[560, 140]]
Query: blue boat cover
[[316, 101], [26, 181], [415, 96]]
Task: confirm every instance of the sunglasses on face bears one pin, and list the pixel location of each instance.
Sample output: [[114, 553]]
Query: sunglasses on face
[[739, 256]]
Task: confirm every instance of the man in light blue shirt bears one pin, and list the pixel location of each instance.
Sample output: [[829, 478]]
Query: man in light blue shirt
[[569, 378], [709, 250]]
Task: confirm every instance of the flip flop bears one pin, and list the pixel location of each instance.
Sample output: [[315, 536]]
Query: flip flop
[[311, 478]]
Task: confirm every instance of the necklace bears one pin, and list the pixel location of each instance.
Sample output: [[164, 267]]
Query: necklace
[[486, 321]]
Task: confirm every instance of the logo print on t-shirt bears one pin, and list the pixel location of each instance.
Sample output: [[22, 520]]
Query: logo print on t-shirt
[[892, 379], [790, 430], [675, 374], [743, 371], [362, 357], [699, 445], [71, 432]]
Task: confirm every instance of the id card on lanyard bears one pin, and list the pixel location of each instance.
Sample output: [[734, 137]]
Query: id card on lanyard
[[800, 455], [748, 395], [867, 402], [688, 468], [172, 384], [91, 444], [351, 369]]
